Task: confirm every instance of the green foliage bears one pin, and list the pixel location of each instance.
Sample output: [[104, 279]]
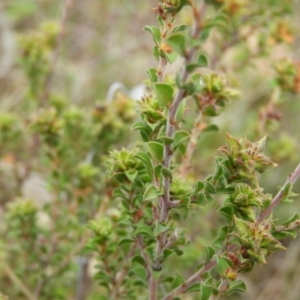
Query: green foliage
[[128, 206], [36, 56], [64, 145], [153, 194]]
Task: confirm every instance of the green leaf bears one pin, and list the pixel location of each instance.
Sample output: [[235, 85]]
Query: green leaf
[[184, 3], [287, 200], [204, 34], [182, 211], [164, 93], [138, 126], [150, 251], [209, 198], [261, 144], [243, 228], [131, 174], [156, 150], [166, 140], [151, 193], [125, 222], [138, 259], [219, 173], [88, 247], [119, 193], [287, 189], [211, 285], [145, 158], [227, 212], [209, 253], [158, 170], [152, 75], [236, 286], [139, 271], [171, 57], [144, 230], [201, 199], [145, 135], [209, 188], [292, 233], [166, 173], [177, 281], [103, 278], [180, 28], [138, 283], [294, 218], [155, 52], [155, 33], [199, 186], [167, 253], [192, 67], [205, 292], [167, 279], [211, 111], [125, 241], [147, 212], [189, 87], [202, 60], [222, 264], [279, 235], [180, 111], [193, 288], [220, 21], [177, 42], [211, 127], [160, 228], [284, 233], [179, 137], [222, 183], [218, 243]]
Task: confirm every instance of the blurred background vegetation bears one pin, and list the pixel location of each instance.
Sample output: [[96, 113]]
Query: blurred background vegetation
[[102, 42]]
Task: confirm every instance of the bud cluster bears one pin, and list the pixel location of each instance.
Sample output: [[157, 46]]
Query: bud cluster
[[246, 160], [245, 240], [288, 76], [214, 93]]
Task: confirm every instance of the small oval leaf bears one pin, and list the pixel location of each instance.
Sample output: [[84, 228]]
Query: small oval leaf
[[156, 150], [164, 93]]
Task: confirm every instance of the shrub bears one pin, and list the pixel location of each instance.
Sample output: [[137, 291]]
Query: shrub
[[165, 214]]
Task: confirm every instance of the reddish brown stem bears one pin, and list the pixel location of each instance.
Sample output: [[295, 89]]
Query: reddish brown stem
[[189, 282], [280, 195], [185, 165]]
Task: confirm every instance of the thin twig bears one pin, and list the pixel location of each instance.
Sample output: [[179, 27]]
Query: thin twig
[[121, 275], [189, 282], [166, 204], [185, 165], [153, 283], [171, 121], [221, 290], [196, 130], [280, 195], [145, 256], [66, 9], [17, 281], [292, 226], [43, 282]]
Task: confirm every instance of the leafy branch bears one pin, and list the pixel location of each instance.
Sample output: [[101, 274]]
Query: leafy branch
[[150, 186]]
